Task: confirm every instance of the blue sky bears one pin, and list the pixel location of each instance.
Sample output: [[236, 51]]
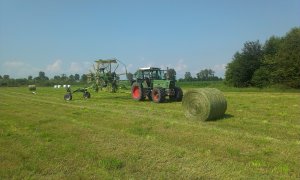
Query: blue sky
[[67, 36]]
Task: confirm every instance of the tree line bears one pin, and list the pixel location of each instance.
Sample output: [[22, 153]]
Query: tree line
[[277, 61], [43, 80], [203, 75]]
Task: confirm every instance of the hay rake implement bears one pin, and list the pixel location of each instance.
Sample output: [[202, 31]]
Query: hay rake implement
[[103, 75], [69, 95]]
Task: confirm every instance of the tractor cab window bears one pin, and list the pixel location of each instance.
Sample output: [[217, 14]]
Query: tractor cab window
[[153, 75], [157, 74], [139, 75], [146, 74], [161, 74]]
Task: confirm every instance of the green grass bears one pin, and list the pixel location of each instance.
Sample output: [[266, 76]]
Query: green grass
[[221, 86], [110, 136]]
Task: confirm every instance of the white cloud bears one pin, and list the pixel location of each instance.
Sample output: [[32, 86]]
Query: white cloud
[[18, 69], [87, 64], [75, 67], [55, 67], [13, 64], [129, 66], [219, 69], [181, 67]]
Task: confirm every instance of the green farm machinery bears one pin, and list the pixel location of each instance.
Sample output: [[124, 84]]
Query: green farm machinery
[[154, 84], [69, 95], [104, 75], [84, 91]]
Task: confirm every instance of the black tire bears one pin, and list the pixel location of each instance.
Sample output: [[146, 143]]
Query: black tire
[[149, 95], [158, 95], [137, 92], [68, 97], [86, 95], [178, 94]]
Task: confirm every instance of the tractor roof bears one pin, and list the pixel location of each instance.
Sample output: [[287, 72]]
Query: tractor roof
[[106, 61], [149, 68]]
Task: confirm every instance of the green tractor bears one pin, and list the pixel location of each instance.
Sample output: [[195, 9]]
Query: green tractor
[[154, 84]]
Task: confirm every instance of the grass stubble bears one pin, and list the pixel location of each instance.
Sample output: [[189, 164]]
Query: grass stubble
[[112, 136]]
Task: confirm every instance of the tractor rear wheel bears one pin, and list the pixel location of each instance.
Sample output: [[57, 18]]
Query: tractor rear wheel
[[137, 91], [68, 97], [158, 95]]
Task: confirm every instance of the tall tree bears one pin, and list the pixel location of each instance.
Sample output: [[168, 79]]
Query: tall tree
[[188, 76], [30, 78], [264, 76], [71, 78], [206, 75], [83, 78], [288, 60], [281, 61], [240, 70], [56, 77], [77, 77], [42, 77], [63, 78]]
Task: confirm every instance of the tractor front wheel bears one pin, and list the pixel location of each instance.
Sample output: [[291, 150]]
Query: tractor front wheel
[[137, 92], [178, 94], [158, 95]]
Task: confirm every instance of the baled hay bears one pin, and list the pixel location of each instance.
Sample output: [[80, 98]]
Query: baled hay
[[204, 104], [32, 87]]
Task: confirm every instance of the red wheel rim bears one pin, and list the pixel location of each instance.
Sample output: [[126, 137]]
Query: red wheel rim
[[136, 92], [155, 96]]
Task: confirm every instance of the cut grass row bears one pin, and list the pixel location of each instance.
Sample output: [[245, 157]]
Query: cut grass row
[[112, 136]]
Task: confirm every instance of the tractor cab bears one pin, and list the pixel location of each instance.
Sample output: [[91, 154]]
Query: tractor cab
[[152, 73]]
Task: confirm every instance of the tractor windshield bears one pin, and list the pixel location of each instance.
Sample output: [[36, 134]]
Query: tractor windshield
[[151, 74], [157, 74]]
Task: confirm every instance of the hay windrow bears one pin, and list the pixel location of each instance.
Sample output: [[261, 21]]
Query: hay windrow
[[204, 104]]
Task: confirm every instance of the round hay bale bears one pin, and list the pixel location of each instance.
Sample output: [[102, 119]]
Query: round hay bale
[[204, 104], [32, 87]]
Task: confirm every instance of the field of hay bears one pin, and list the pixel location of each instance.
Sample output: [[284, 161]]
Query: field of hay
[[111, 136]]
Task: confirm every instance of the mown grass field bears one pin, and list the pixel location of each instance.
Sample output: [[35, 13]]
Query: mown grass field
[[110, 136]]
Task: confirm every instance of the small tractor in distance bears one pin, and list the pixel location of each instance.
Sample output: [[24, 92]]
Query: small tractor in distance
[[155, 84]]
